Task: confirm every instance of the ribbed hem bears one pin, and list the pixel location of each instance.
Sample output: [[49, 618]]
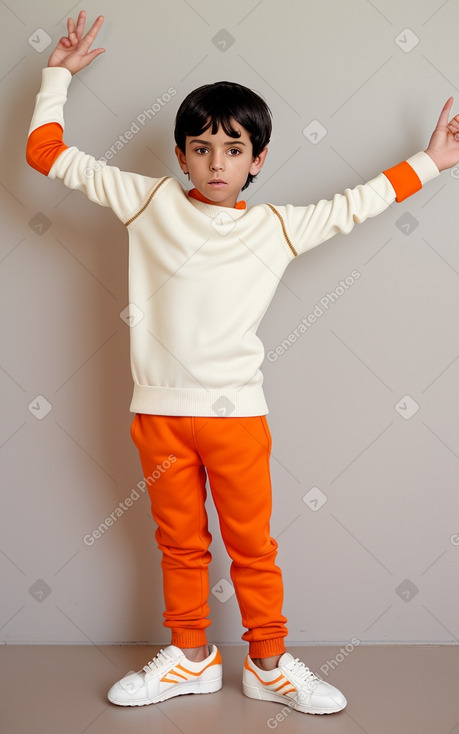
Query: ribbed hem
[[267, 648], [245, 402], [55, 78], [423, 166], [188, 638]]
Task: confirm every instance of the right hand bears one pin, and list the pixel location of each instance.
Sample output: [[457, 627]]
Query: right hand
[[72, 51]]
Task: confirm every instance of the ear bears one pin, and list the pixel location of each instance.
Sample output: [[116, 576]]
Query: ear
[[257, 163], [181, 157]]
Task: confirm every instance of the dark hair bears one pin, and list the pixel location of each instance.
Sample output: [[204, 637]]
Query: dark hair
[[216, 104]]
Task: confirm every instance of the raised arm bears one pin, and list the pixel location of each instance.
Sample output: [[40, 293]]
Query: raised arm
[[46, 150], [305, 227]]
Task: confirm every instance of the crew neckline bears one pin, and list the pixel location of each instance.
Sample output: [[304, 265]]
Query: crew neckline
[[195, 194]]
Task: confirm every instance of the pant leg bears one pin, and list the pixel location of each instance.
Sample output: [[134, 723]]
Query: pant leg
[[177, 495], [236, 454]]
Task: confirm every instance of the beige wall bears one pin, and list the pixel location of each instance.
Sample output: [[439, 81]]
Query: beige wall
[[363, 406]]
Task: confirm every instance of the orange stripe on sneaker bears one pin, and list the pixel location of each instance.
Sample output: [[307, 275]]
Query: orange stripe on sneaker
[[404, 179], [44, 146], [179, 675], [216, 661], [165, 679], [290, 687], [282, 685], [271, 682], [266, 683], [248, 667], [192, 672]]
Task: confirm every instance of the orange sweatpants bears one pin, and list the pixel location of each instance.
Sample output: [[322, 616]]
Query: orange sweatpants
[[177, 453]]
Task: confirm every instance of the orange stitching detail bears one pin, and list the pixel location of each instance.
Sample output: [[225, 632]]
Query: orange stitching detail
[[166, 178], [284, 230]]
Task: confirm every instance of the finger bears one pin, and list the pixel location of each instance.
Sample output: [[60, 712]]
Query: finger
[[444, 114], [65, 42], [81, 23], [71, 31], [92, 33]]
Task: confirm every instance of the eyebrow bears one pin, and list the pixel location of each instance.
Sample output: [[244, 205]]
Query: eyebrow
[[206, 142]]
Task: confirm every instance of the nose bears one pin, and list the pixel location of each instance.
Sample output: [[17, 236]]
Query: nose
[[216, 163]]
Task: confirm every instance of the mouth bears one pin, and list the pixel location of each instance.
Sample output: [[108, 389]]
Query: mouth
[[217, 183]]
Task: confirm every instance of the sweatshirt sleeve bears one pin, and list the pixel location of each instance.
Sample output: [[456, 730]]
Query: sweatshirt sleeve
[[46, 151], [308, 226]]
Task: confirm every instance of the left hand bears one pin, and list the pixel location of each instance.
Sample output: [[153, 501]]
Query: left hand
[[72, 52], [443, 146]]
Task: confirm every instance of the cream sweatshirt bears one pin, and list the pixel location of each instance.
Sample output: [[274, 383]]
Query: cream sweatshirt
[[201, 276]]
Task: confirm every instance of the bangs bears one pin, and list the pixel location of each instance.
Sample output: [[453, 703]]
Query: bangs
[[218, 120]]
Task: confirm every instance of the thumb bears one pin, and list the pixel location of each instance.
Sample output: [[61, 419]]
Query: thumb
[[91, 56], [444, 114]]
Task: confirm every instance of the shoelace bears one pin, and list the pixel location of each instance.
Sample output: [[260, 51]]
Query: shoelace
[[157, 662], [302, 671]]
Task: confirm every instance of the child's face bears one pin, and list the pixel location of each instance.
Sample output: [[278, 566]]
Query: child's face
[[218, 164]]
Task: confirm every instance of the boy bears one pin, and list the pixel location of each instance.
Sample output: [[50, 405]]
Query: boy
[[203, 270]]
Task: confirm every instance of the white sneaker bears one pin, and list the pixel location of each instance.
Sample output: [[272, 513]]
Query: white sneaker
[[293, 684], [169, 674]]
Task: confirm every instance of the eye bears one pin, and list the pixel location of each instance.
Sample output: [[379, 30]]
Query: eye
[[234, 151], [200, 150]]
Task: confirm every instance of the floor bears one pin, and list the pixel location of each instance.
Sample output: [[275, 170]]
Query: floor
[[391, 689]]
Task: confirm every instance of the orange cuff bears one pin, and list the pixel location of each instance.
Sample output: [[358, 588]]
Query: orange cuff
[[404, 179], [44, 145]]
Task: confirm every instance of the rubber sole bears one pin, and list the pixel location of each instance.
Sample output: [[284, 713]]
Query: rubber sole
[[262, 695], [208, 686]]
